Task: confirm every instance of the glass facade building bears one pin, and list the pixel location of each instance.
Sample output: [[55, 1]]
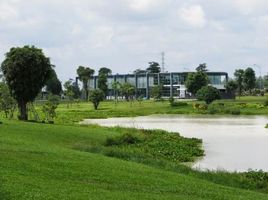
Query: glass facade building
[[173, 83]]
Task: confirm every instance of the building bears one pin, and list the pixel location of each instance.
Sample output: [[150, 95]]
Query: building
[[173, 83]]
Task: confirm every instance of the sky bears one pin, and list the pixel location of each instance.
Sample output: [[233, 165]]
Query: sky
[[124, 35]]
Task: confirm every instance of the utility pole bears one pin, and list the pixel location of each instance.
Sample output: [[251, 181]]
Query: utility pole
[[163, 61]]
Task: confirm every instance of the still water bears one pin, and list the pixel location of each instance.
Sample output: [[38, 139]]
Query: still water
[[230, 143]]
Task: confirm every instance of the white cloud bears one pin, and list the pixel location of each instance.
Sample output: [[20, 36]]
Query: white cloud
[[193, 15], [251, 6], [127, 34], [7, 11], [144, 5]]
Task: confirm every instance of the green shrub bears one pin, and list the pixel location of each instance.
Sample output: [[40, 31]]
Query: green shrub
[[213, 109], [266, 103], [154, 144], [179, 104], [208, 94], [233, 111], [124, 139]]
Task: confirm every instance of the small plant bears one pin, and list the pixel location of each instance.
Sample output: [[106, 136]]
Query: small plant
[[49, 108], [7, 103], [96, 96]]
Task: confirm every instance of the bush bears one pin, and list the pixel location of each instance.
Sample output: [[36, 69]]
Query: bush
[[174, 103], [233, 111], [265, 102], [96, 96], [124, 139], [49, 108], [208, 94], [214, 108], [156, 144]]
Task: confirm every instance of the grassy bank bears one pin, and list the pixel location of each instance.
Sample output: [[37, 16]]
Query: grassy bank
[[79, 111], [40, 161]]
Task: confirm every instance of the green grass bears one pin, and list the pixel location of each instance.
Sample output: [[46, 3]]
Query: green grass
[[77, 112], [40, 161]]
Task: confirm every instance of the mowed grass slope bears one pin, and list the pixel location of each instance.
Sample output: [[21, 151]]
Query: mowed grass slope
[[39, 161]]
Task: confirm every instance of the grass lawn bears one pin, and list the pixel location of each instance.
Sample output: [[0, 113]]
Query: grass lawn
[[40, 161], [79, 111], [69, 161]]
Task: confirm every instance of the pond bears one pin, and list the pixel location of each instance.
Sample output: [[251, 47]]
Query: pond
[[231, 143]]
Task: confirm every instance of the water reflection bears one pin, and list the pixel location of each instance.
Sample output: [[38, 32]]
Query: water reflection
[[230, 143]]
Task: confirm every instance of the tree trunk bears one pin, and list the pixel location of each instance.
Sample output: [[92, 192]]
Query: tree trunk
[[96, 105], [23, 111]]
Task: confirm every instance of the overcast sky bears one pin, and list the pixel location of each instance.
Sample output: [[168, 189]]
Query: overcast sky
[[126, 34]]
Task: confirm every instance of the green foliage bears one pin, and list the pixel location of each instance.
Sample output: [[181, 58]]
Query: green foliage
[[174, 103], [239, 77], [71, 90], [231, 86], [49, 108], [105, 70], [7, 103], [116, 87], [102, 79], [195, 81], [154, 67], [96, 96], [202, 68], [156, 92], [53, 85], [127, 90], [266, 102], [84, 74], [208, 94], [158, 144], [26, 70], [41, 161], [249, 79]]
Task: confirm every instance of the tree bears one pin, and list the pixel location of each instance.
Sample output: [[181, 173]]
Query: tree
[[96, 96], [84, 74], [265, 81], [102, 79], [231, 86], [116, 87], [208, 94], [239, 74], [127, 90], [249, 79], [53, 85], [195, 81], [154, 67], [157, 91], [202, 68], [7, 103], [72, 90], [26, 70], [105, 70]]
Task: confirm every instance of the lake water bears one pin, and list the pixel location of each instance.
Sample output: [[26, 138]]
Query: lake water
[[230, 143]]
